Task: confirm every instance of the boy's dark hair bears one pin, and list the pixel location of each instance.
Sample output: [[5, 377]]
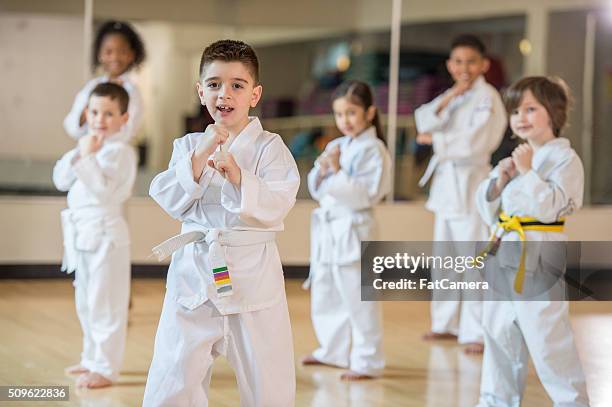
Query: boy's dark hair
[[127, 31], [471, 41], [552, 93], [231, 51], [113, 91], [360, 94]]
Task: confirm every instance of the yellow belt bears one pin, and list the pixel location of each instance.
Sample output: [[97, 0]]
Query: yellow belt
[[520, 224]]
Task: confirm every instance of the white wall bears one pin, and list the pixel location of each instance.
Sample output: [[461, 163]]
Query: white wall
[[31, 231], [41, 69]]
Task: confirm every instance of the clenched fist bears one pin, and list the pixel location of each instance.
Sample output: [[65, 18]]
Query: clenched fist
[[333, 159], [225, 163], [424, 138], [214, 136], [522, 157], [90, 144]]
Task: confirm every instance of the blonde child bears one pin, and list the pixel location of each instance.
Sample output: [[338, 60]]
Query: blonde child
[[351, 176]]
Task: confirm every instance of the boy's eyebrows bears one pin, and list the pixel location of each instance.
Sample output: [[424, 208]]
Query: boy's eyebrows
[[217, 78]]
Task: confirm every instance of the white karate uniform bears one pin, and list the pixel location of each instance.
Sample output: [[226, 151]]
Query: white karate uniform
[[514, 329], [96, 246], [464, 134], [251, 327], [349, 330], [135, 109]]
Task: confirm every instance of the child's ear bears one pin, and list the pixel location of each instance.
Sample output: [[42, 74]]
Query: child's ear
[[371, 113], [257, 91], [486, 64], [200, 90], [125, 117]]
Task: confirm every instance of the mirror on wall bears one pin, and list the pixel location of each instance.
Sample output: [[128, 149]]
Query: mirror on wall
[[305, 53]]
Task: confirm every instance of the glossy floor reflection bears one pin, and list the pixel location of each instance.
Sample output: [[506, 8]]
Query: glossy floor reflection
[[40, 336]]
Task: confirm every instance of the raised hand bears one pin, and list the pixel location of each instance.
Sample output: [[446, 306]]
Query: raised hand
[[459, 88], [424, 138], [323, 163], [333, 157], [225, 163], [522, 157], [90, 144], [214, 136]]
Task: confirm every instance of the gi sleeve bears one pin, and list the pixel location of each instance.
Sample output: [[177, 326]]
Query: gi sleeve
[[265, 198], [106, 171], [488, 209], [364, 183], [72, 123], [426, 119], [479, 137], [315, 188], [135, 110], [175, 190], [63, 175], [552, 198]]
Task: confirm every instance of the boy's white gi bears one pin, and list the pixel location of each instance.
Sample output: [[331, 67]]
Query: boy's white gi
[[251, 327], [465, 134], [515, 329], [72, 121], [349, 330], [96, 246]]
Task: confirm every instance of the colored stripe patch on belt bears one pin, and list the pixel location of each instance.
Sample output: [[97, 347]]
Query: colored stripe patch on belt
[[223, 282]]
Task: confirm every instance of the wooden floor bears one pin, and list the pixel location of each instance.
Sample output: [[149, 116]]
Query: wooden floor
[[40, 335]]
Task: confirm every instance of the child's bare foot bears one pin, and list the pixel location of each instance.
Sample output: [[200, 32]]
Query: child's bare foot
[[310, 360], [351, 376], [474, 348], [93, 380], [76, 369], [434, 336]]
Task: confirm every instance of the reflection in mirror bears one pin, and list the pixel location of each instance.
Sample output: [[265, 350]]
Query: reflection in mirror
[[297, 89]]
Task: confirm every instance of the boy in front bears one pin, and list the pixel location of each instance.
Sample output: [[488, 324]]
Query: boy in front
[[231, 187]]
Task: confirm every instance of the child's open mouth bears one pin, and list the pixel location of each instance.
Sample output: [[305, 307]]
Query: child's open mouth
[[225, 109]]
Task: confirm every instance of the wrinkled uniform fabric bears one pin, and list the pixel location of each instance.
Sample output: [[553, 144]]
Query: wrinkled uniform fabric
[[349, 330], [96, 247], [464, 135], [516, 328], [251, 327]]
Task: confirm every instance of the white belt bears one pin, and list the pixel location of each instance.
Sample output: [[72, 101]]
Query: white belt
[[323, 240], [431, 167], [435, 162], [75, 221], [336, 212], [215, 239]]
